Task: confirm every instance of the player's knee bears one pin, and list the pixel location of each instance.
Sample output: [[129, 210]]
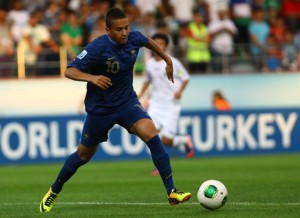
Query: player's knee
[[144, 129], [85, 157], [147, 135], [86, 153]]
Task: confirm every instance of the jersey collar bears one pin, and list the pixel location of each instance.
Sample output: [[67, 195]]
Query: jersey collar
[[113, 42]]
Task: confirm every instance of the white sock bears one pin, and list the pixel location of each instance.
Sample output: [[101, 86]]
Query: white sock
[[179, 140]]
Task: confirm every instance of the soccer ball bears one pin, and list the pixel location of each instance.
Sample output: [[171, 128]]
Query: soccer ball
[[212, 194]]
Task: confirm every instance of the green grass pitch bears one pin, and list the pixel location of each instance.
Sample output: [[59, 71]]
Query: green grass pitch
[[258, 186]]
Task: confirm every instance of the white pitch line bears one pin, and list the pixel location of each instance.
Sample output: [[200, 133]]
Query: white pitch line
[[151, 203]]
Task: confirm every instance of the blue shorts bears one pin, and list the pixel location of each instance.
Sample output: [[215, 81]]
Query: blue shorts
[[96, 127]]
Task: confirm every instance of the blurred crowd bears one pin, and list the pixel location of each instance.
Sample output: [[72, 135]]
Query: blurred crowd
[[209, 36]]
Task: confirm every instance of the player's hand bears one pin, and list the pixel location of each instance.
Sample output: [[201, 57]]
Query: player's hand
[[177, 95], [102, 82], [169, 71]]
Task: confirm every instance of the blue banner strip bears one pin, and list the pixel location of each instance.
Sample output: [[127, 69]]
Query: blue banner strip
[[237, 132]]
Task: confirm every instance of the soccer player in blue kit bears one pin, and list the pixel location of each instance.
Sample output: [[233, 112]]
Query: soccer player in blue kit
[[106, 64]]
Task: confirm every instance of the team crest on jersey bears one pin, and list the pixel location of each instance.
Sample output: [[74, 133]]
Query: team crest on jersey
[[133, 53], [82, 54]]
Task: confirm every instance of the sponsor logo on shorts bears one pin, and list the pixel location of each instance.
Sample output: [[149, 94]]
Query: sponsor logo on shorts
[[141, 107], [86, 137]]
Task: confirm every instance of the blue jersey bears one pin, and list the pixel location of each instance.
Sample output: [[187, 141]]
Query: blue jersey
[[105, 57]]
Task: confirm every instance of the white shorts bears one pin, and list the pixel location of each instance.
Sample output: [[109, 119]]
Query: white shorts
[[165, 117]]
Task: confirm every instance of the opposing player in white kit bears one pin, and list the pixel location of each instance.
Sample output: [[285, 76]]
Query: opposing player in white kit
[[164, 99]]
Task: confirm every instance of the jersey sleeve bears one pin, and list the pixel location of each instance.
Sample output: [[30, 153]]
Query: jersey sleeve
[[86, 59], [180, 70], [139, 39]]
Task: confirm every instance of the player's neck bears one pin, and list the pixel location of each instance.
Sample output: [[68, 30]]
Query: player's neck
[[113, 41]]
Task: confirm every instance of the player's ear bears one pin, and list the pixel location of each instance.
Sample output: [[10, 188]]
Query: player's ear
[[107, 30]]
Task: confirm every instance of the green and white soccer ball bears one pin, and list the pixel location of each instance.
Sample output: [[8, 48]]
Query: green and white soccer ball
[[212, 194]]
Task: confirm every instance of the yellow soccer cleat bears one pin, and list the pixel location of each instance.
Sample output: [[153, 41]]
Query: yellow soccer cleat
[[48, 201], [177, 197]]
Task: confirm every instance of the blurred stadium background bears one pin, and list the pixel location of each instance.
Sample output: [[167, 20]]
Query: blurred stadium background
[[41, 112]]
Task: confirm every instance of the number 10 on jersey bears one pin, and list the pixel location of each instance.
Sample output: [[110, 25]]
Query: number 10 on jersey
[[112, 66]]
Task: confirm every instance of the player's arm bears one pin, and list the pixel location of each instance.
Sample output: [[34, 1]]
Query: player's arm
[[178, 94], [183, 76], [144, 88], [154, 47], [102, 82]]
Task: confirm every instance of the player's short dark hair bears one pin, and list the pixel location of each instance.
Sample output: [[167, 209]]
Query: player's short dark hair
[[161, 36], [114, 14]]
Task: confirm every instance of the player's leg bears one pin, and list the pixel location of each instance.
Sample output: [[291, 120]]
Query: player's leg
[[94, 131], [72, 163], [186, 141], [166, 119], [156, 115], [171, 131], [146, 130], [140, 124], [178, 142]]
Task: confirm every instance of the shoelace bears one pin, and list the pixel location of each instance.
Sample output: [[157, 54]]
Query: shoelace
[[50, 199], [178, 192]]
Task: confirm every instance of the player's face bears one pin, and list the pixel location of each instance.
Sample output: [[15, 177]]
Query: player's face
[[161, 43], [119, 31]]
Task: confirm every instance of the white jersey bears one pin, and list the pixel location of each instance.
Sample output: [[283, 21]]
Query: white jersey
[[164, 109], [163, 90]]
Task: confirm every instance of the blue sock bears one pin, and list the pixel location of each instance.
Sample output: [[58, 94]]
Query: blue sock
[[161, 161], [72, 163]]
